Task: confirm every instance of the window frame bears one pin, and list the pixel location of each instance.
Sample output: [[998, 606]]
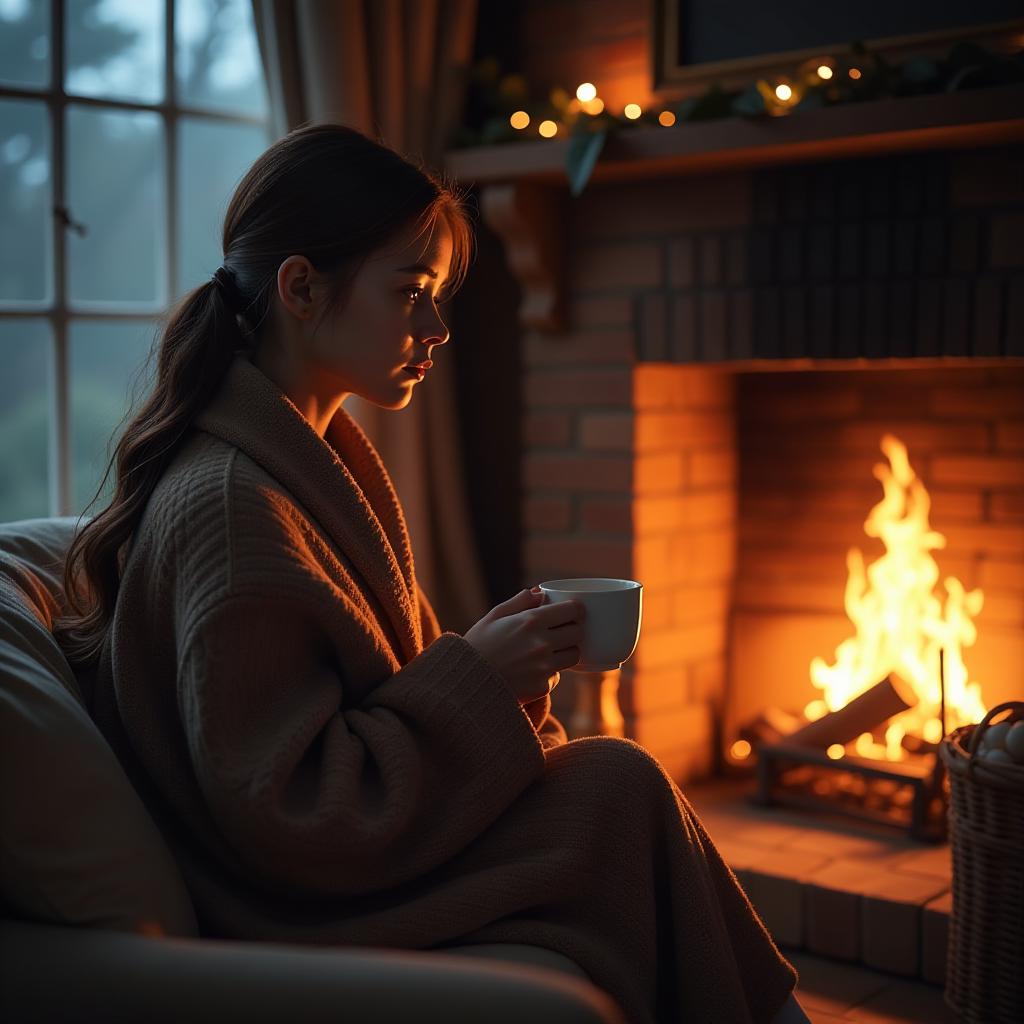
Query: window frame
[[58, 312]]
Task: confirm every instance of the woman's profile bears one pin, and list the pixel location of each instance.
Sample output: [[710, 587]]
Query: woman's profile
[[328, 765]]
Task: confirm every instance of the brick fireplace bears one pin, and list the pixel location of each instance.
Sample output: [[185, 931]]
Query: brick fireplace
[[706, 416]]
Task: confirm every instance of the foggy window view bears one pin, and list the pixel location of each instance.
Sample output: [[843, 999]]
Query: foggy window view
[[119, 216]]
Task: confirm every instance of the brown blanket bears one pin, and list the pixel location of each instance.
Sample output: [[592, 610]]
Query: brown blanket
[[329, 767]]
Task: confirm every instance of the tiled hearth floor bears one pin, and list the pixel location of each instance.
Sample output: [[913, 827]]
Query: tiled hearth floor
[[861, 911]]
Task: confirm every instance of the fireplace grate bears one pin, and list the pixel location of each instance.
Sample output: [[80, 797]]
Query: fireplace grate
[[910, 795]]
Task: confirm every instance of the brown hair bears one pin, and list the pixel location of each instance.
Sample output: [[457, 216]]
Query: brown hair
[[326, 192]]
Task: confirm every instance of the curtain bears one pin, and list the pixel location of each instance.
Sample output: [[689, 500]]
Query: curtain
[[396, 70]]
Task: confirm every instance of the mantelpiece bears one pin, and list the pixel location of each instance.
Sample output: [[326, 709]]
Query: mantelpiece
[[523, 190]]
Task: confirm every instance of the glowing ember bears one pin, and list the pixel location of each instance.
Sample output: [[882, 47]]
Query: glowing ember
[[901, 624]]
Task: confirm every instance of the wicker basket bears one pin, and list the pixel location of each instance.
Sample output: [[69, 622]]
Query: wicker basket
[[985, 960]]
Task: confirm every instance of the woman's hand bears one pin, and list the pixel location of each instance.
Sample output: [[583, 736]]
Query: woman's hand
[[529, 642]]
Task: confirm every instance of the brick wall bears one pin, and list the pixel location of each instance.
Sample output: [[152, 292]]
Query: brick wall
[[681, 293]]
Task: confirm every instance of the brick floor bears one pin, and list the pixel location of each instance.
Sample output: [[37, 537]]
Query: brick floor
[[866, 906], [832, 992]]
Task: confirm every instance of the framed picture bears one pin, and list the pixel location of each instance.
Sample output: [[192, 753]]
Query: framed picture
[[697, 42]]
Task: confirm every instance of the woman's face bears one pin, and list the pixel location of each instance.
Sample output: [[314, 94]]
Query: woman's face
[[390, 320]]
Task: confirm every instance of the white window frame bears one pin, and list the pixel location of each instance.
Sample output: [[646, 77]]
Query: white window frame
[[58, 312]]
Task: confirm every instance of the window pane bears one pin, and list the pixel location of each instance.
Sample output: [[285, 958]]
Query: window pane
[[216, 57], [212, 158], [24, 417], [24, 43], [115, 49], [116, 188], [26, 239], [107, 361]]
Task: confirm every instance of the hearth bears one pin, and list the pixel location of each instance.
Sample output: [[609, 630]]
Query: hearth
[[708, 416]]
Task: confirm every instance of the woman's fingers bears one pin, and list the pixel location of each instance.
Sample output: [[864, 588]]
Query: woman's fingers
[[560, 637], [566, 658], [560, 613]]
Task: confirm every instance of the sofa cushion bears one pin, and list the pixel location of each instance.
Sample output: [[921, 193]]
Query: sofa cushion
[[77, 846]]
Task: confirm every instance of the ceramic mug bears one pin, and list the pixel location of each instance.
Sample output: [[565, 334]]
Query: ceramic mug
[[612, 626]]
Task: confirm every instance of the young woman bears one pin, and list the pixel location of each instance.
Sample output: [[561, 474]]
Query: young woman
[[327, 764]]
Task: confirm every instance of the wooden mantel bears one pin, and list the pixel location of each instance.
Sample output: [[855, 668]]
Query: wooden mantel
[[524, 191]]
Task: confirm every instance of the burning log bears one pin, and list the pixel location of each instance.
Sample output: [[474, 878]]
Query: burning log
[[889, 697], [771, 725]]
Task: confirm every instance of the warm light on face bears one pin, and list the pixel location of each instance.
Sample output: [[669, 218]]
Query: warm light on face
[[667, 118], [585, 91], [547, 129], [520, 119], [632, 111], [783, 92]]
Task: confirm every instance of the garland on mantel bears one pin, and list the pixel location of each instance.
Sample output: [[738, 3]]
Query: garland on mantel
[[500, 107]]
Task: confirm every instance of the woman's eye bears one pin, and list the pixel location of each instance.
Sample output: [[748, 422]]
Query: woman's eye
[[415, 291]]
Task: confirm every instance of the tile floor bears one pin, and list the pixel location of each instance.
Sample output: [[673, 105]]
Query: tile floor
[[832, 992]]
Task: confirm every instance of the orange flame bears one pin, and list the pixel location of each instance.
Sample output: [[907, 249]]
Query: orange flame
[[901, 624]]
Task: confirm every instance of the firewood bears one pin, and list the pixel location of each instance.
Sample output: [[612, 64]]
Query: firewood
[[862, 714], [769, 726]]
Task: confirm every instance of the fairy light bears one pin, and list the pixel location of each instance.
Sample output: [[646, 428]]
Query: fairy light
[[547, 129], [824, 72], [667, 118], [586, 91], [632, 111], [594, 106], [836, 751], [740, 750], [783, 92], [854, 73], [520, 119]]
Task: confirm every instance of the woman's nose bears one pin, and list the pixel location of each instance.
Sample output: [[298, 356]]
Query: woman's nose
[[436, 331]]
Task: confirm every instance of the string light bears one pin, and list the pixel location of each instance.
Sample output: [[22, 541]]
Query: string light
[[585, 91], [547, 129], [783, 92], [520, 119], [740, 750], [854, 73], [836, 751], [594, 106], [667, 118], [632, 111], [824, 72]]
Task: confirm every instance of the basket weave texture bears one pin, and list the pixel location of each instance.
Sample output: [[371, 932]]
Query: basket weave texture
[[985, 957]]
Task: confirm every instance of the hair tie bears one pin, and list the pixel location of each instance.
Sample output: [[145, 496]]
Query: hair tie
[[225, 282]]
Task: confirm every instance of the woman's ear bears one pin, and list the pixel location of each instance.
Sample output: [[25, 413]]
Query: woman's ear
[[294, 286]]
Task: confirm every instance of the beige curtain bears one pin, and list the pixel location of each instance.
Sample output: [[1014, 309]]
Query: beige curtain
[[395, 69]]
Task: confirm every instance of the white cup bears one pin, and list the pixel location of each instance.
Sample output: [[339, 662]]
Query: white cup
[[612, 625]]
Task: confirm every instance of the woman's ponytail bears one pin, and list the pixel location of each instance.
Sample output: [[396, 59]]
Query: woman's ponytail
[[198, 343]]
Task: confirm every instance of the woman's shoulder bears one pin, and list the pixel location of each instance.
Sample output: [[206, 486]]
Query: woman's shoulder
[[215, 504]]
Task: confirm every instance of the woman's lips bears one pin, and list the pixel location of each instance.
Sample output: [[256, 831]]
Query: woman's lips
[[415, 371]]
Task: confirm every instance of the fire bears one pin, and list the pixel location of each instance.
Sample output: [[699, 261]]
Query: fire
[[901, 624]]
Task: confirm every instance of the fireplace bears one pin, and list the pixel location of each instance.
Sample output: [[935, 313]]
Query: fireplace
[[707, 415]]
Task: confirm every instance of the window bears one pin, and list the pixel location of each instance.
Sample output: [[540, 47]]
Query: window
[[124, 127]]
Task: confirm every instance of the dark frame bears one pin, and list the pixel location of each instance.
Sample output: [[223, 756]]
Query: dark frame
[[670, 75]]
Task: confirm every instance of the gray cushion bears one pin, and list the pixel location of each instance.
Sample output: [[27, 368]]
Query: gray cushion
[[77, 846]]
